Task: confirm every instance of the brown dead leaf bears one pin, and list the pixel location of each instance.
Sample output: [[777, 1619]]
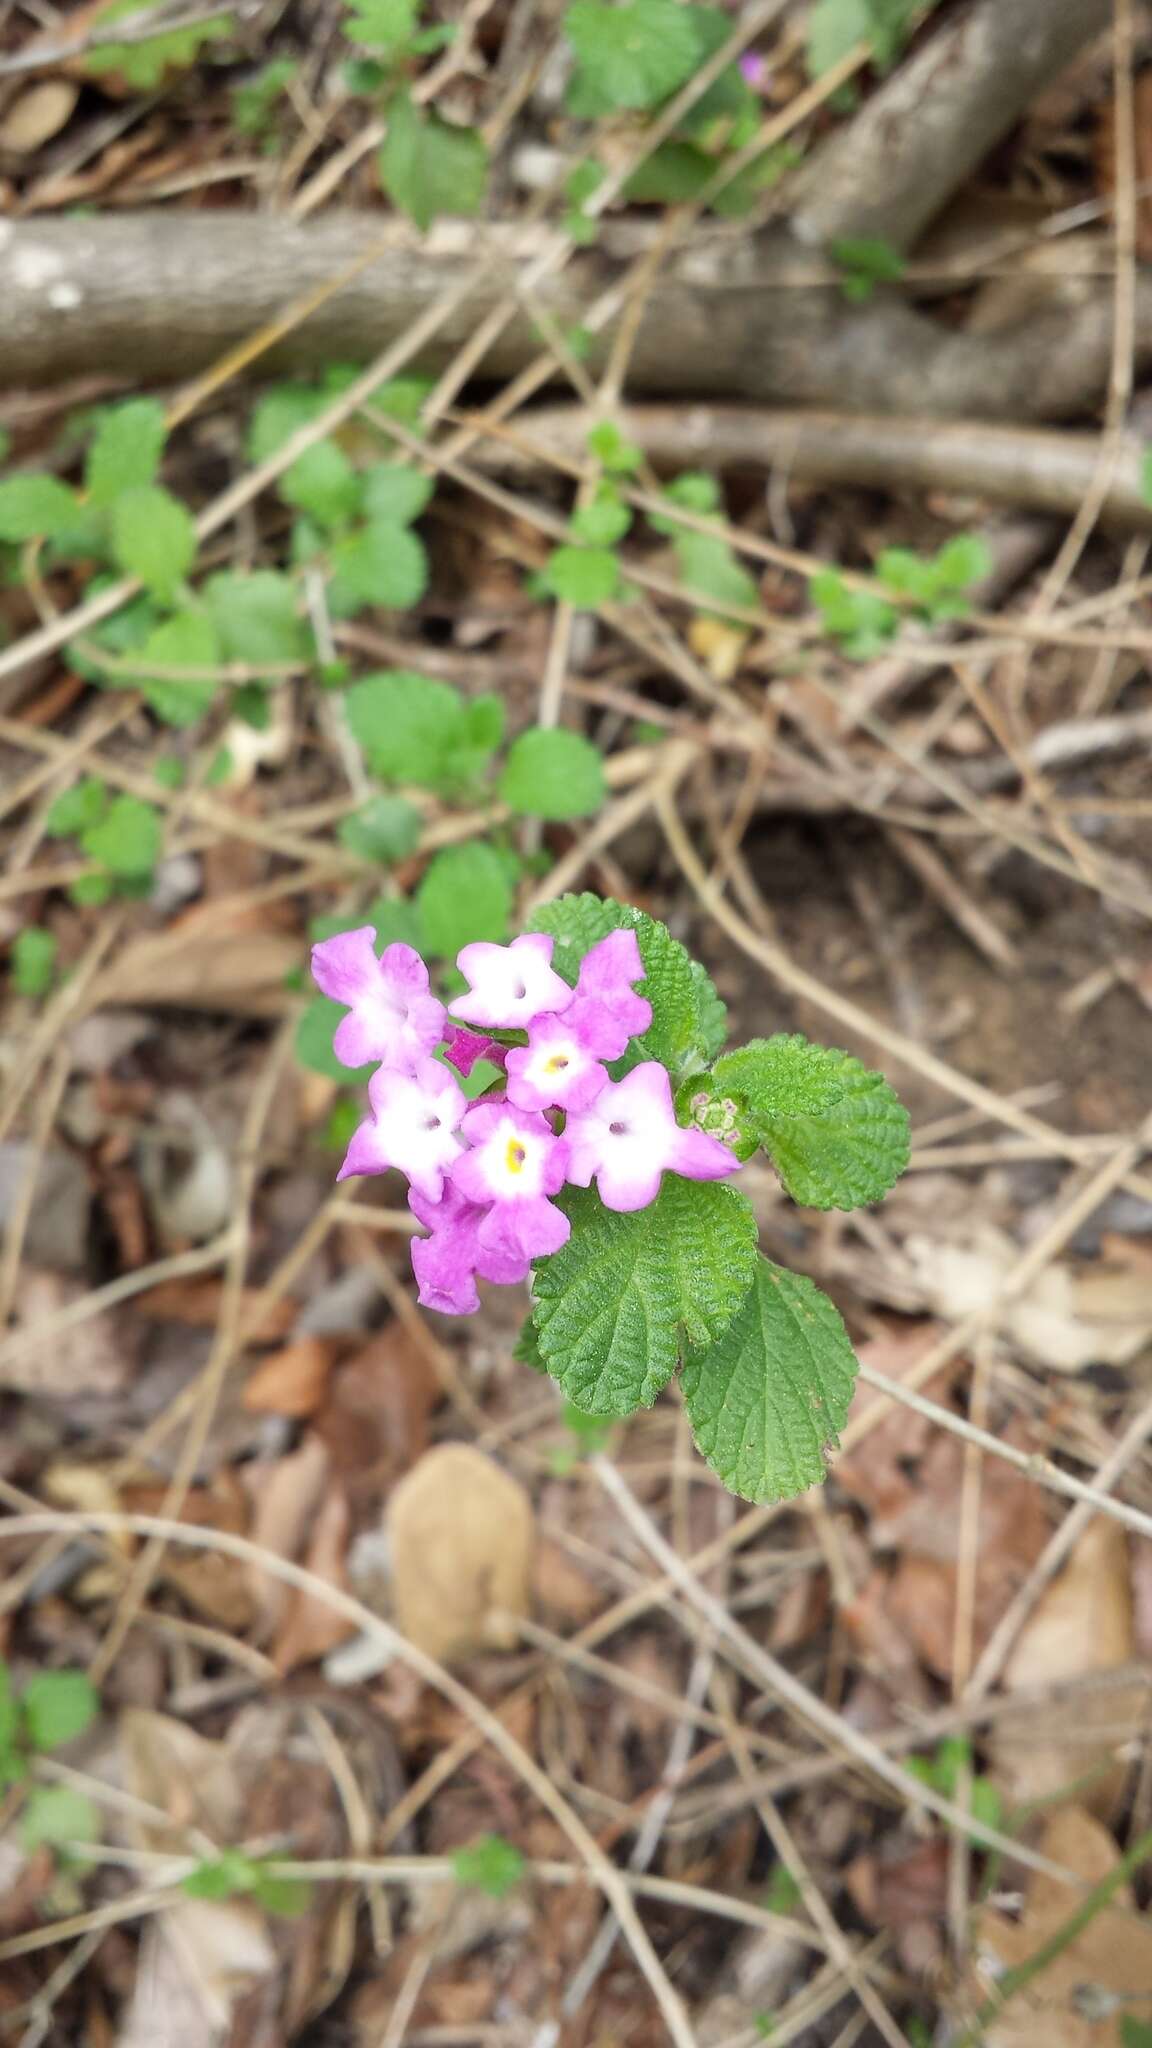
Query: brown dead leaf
[[719, 647], [1112, 1954], [237, 973], [1073, 1314], [877, 1472], [287, 1495], [195, 1964], [461, 1534], [905, 1891], [1083, 1623], [97, 1356], [209, 1582], [375, 1417], [910, 1474], [293, 1381], [199, 1302], [311, 1626], [39, 114], [563, 1589], [181, 1773]]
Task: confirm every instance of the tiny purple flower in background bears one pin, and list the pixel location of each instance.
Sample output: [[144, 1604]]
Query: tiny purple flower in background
[[604, 1009], [510, 984], [753, 69], [392, 1016], [514, 1163], [464, 1048], [629, 1137], [413, 1126], [447, 1263], [555, 1070]]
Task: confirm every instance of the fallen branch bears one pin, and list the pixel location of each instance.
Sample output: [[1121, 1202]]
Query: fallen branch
[[916, 140], [1049, 472], [153, 296]]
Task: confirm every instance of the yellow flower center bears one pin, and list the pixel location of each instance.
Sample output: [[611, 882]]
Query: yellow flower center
[[515, 1156], [556, 1064]]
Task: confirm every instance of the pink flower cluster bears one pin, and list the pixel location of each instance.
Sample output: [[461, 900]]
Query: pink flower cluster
[[483, 1175]]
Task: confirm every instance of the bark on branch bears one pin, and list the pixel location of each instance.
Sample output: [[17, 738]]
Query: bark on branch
[[916, 141], [1049, 472], [151, 296]]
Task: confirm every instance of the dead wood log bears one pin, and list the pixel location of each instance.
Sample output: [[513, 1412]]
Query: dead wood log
[[1049, 472], [153, 296], [921, 135]]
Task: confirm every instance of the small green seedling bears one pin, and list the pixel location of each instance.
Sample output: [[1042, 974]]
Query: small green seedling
[[233, 1875], [53, 1709], [491, 1865]]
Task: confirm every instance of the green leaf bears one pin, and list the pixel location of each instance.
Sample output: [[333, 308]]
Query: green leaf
[[386, 830], [33, 961], [126, 449], [1135, 2033], [783, 1894], [9, 1713], [964, 560], [381, 24], [280, 413], [186, 640], [380, 564], [153, 538], [553, 774], [56, 1706], [709, 569], [88, 890], [315, 1030], [865, 263], [602, 523], [255, 613], [861, 621], [221, 1877], [396, 920], [415, 729], [395, 493], [834, 28], [254, 100], [767, 1401], [613, 450], [55, 1815], [288, 1898], [616, 1303], [711, 1012], [633, 55], [126, 841], [832, 1150], [76, 809], [465, 895], [491, 1865], [429, 167], [35, 508], [143, 65], [581, 576], [670, 175], [323, 483]]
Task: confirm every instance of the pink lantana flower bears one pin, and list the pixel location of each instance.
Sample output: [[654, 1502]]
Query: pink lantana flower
[[629, 1136], [448, 1263], [413, 1126], [514, 1163], [392, 1016], [555, 1070], [605, 1009], [510, 984]]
